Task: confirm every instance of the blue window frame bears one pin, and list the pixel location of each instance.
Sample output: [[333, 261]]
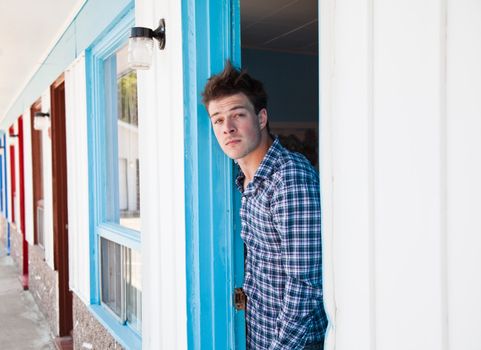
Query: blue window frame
[[116, 293]]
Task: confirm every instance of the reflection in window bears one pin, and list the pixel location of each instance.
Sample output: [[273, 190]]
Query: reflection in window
[[120, 265], [119, 279], [128, 143], [134, 289], [111, 275]]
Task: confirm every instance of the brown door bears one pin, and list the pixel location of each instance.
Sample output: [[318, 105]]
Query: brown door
[[60, 212]]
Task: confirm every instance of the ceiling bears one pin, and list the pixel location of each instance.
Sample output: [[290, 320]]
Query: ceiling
[[280, 25], [30, 28]]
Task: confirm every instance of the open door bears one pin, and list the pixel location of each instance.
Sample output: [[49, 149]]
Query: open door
[[60, 211]]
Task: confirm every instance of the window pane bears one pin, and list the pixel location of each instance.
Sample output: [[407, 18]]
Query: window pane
[[111, 265], [123, 136], [134, 289], [128, 141]]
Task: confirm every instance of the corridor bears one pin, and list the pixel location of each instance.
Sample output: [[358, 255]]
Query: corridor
[[22, 325]]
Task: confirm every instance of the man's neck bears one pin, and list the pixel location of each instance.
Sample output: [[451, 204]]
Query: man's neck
[[250, 163]]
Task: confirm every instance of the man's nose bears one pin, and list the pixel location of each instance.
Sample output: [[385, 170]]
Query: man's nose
[[229, 127]]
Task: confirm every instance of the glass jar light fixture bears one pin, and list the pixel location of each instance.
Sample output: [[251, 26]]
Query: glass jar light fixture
[[141, 45], [41, 121]]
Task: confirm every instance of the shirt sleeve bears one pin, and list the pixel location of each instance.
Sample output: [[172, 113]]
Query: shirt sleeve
[[297, 217]]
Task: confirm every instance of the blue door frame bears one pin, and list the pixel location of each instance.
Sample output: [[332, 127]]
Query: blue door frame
[[211, 34]]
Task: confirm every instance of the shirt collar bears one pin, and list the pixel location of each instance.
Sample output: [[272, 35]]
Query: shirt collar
[[266, 167]]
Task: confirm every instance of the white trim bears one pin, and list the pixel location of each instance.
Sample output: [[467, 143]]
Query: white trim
[[27, 170], [326, 82], [161, 149], [77, 177]]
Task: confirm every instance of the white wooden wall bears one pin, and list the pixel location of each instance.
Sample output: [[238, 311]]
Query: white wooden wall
[[400, 121], [161, 147], [463, 194], [16, 200], [27, 168], [47, 185], [77, 179], [8, 180]]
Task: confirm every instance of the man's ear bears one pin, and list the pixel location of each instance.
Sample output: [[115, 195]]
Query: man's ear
[[262, 118]]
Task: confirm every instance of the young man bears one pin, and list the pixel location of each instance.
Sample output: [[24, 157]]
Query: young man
[[280, 215]]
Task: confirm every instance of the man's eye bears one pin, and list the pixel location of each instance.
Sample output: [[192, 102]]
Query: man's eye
[[217, 121]]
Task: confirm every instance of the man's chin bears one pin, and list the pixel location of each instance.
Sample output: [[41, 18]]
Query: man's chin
[[234, 155]]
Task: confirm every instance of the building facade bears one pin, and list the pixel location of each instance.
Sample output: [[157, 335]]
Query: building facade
[[119, 207]]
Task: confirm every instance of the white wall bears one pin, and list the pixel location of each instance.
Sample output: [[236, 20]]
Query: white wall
[[8, 181], [77, 179], [463, 205], [27, 168], [16, 199], [47, 184], [400, 84], [161, 141]]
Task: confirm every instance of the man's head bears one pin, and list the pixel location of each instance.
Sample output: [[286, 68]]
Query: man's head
[[232, 81], [237, 108]]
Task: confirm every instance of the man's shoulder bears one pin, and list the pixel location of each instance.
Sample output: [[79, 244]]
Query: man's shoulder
[[294, 168]]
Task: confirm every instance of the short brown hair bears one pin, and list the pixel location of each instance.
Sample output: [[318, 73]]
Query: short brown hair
[[232, 81]]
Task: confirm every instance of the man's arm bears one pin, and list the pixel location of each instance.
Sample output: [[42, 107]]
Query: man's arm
[[297, 217]]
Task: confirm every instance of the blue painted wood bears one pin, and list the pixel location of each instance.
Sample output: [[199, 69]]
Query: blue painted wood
[[103, 173], [111, 39], [210, 36], [120, 234], [93, 19], [238, 250]]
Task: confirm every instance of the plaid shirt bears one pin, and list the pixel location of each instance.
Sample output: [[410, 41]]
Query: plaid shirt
[[281, 227]]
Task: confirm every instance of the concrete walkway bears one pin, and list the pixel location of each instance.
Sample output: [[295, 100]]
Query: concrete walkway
[[22, 326]]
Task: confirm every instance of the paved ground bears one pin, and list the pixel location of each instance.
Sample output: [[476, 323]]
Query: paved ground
[[22, 326]]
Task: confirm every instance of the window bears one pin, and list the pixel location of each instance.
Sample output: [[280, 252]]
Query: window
[[115, 197]]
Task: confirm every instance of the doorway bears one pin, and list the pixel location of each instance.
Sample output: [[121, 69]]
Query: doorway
[[60, 211], [279, 41], [214, 250], [279, 47]]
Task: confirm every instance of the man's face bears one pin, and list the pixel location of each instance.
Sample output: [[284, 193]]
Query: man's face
[[236, 125]]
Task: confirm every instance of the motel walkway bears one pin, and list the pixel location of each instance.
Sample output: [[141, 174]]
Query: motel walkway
[[22, 326]]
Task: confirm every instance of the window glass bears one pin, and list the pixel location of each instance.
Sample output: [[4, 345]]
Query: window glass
[[134, 289], [128, 139], [111, 264], [115, 156], [121, 275], [122, 111]]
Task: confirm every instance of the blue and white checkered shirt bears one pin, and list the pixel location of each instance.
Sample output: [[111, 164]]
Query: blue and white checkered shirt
[[281, 227]]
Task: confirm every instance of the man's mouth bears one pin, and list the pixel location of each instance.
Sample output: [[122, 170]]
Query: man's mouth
[[232, 142]]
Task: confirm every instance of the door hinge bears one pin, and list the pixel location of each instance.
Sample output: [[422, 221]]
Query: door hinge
[[240, 299]]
